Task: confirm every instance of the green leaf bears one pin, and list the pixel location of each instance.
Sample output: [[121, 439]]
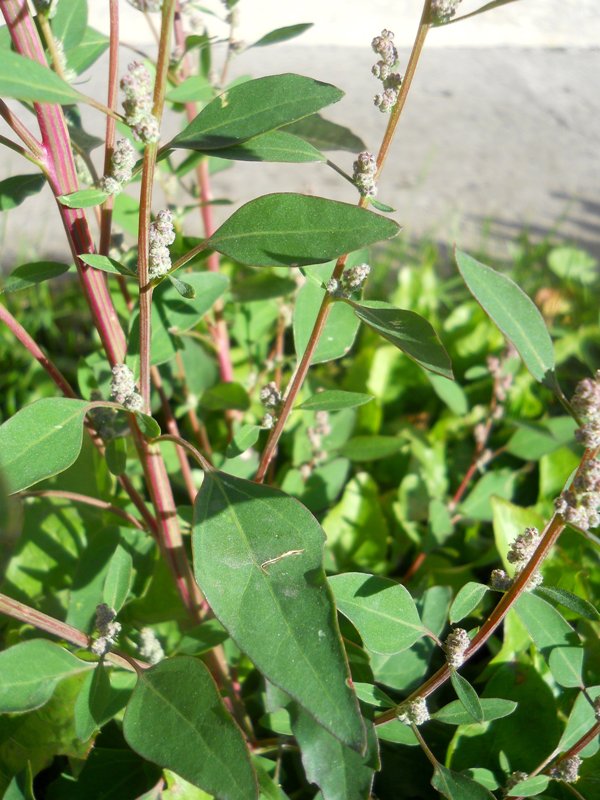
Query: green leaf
[[381, 206], [84, 198], [467, 696], [282, 34], [147, 425], [41, 440], [566, 666], [28, 275], [340, 773], [18, 188], [275, 146], [532, 441], [253, 541], [326, 135], [514, 313], [198, 740], [455, 713], [381, 610], [118, 579], [255, 107], [195, 89], [373, 695], [546, 626], [31, 671], [243, 439], [581, 720], [531, 786], [397, 732], [24, 79], [467, 599], [570, 263], [409, 332], [70, 22], [450, 392], [493, 487], [455, 786], [570, 601], [103, 694], [334, 400], [341, 326], [107, 264], [116, 455], [284, 229], [21, 786], [88, 51], [225, 396], [371, 448], [184, 289]]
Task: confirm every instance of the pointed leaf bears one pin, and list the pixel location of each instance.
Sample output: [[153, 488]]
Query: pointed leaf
[[340, 773], [381, 610], [18, 188], [531, 786], [283, 34], [31, 671], [455, 713], [373, 695], [176, 718], [455, 786], [409, 332], [282, 230], [103, 694], [566, 666], [253, 541], [255, 107], [85, 198], [184, 289], [107, 264], [69, 22], [467, 696], [467, 599], [275, 146], [334, 400], [514, 313], [243, 439], [570, 601], [581, 720], [326, 135], [24, 79], [147, 425], [28, 275], [546, 626], [118, 578], [41, 440]]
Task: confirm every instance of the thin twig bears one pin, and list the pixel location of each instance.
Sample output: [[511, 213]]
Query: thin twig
[[86, 500]]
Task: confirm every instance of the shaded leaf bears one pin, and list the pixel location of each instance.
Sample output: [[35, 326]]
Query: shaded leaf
[[118, 578], [397, 732], [225, 396], [103, 694], [546, 626], [24, 79], [41, 440], [243, 439], [566, 666], [569, 600], [371, 448], [381, 610], [409, 332], [28, 275], [286, 229], [275, 146], [13, 191], [581, 720], [89, 50], [514, 313], [255, 107], [251, 540], [326, 135], [455, 786], [198, 740], [31, 671]]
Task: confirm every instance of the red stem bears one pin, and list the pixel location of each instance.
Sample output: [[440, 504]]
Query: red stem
[[111, 102], [89, 501]]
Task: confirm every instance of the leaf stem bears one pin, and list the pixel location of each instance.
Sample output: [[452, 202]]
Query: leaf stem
[[86, 500], [30, 616], [168, 437], [22, 131]]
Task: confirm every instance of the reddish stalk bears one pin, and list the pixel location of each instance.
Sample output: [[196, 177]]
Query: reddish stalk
[[303, 367], [22, 131], [111, 101], [89, 501]]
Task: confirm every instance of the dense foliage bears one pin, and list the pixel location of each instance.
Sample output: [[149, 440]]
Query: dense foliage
[[264, 533]]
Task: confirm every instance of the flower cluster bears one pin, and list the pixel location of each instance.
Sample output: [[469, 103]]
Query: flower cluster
[[270, 397], [578, 505], [391, 81], [315, 435], [413, 712], [150, 648], [363, 176], [455, 647], [586, 402], [147, 6], [567, 770], [500, 580], [122, 163], [107, 628], [137, 87], [443, 10], [513, 779], [123, 388], [351, 281], [161, 234], [519, 553]]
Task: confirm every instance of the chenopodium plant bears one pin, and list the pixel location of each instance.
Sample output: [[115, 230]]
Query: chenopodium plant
[[199, 648]]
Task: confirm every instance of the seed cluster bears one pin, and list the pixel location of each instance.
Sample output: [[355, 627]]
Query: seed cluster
[[161, 235], [150, 648], [137, 87], [586, 402], [107, 628], [123, 389], [270, 397], [567, 770], [122, 163], [443, 10], [363, 176], [385, 48], [414, 712], [519, 554], [578, 505], [351, 281], [455, 647]]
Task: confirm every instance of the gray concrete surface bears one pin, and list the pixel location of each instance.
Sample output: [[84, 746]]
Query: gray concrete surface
[[494, 138]]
